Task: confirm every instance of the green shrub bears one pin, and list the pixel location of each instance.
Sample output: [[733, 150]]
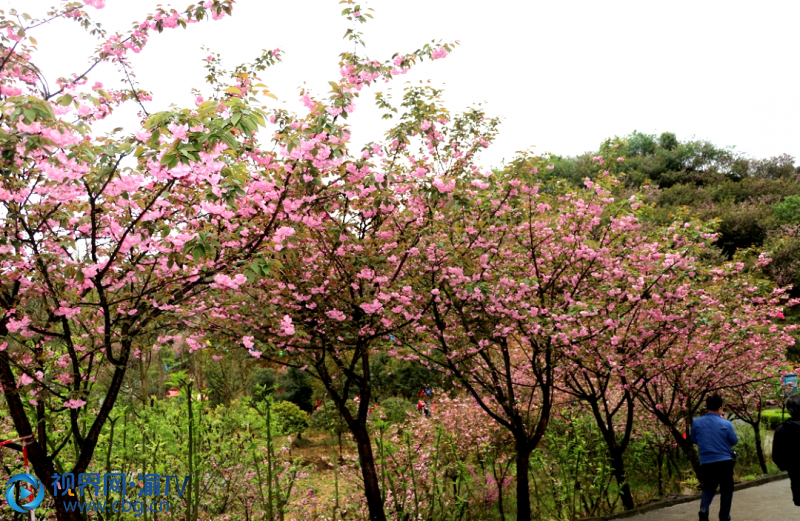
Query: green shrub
[[262, 383], [292, 385], [295, 386], [327, 418], [395, 410], [772, 418], [289, 418], [747, 459]]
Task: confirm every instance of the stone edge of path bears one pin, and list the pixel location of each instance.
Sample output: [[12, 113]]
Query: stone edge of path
[[685, 499]]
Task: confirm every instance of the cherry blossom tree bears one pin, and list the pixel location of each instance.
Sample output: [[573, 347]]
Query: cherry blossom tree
[[105, 236], [522, 276], [343, 281], [634, 311], [724, 337], [537, 292], [747, 402], [339, 281]]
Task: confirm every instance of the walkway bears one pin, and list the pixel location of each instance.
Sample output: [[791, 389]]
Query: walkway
[[770, 502]]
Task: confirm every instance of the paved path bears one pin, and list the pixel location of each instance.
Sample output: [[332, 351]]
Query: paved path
[[770, 502]]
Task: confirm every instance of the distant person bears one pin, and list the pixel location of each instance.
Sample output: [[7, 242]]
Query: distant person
[[786, 446], [714, 437], [428, 399]]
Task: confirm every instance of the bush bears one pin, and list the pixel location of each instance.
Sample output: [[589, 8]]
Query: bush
[[392, 377], [772, 418], [293, 385], [262, 383], [747, 459], [289, 419], [395, 410], [327, 418]]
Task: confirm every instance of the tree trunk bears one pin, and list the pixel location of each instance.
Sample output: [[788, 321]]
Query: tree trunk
[[688, 449], [372, 489], [190, 514], [143, 381], [162, 376], [759, 447], [660, 476], [499, 481], [37, 454], [620, 475], [523, 486]]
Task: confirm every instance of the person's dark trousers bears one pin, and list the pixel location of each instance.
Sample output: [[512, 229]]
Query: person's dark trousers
[[794, 478], [718, 474]]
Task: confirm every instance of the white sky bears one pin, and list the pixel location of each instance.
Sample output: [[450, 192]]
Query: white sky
[[563, 74]]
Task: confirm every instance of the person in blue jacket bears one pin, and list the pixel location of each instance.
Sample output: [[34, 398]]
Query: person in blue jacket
[[715, 437]]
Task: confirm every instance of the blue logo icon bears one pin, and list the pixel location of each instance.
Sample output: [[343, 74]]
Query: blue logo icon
[[24, 493]]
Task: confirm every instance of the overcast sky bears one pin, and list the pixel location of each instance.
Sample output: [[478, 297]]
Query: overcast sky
[[563, 75]]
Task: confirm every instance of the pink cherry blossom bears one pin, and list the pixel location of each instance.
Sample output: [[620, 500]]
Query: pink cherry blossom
[[335, 314], [178, 131], [441, 52], [443, 186], [371, 307], [286, 326]]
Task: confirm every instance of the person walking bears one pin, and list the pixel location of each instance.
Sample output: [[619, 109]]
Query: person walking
[[786, 446], [715, 437], [428, 399]]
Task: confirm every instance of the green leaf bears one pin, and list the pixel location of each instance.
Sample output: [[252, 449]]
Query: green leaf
[[167, 159], [230, 141], [207, 107], [259, 119]]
